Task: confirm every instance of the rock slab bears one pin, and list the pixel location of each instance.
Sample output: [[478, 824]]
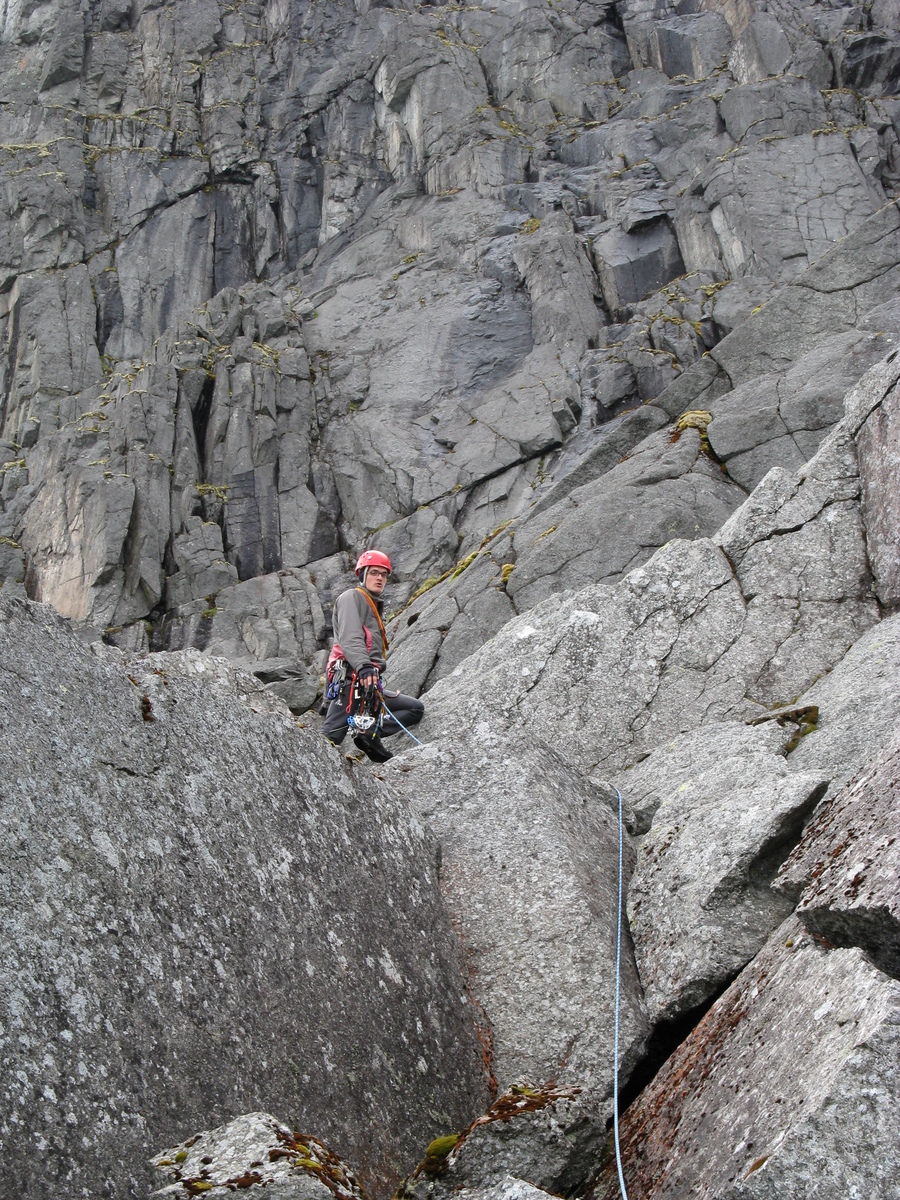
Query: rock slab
[[529, 859], [801, 1051], [699, 903], [849, 861], [205, 913]]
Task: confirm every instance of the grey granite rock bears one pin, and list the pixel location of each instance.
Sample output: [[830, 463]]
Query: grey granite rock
[[847, 865], [878, 442], [632, 264], [200, 556], [771, 209], [761, 50], [457, 615], [12, 561], [328, 202], [735, 301], [260, 1152], [662, 772], [528, 866], [699, 902], [272, 625], [99, 515], [203, 915], [52, 349], [65, 54], [853, 277], [758, 1100], [553, 1140], [566, 646], [773, 109], [452, 617], [780, 420], [868, 61], [509, 1188], [546, 62], [694, 45], [695, 635], [814, 391], [600, 530], [858, 706], [420, 546], [281, 281]]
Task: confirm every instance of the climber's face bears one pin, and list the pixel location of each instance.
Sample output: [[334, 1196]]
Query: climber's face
[[375, 581]]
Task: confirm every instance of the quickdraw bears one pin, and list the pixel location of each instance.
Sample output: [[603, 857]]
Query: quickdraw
[[365, 708], [336, 680]]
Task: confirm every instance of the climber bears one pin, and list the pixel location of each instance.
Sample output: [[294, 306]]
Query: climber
[[358, 699]]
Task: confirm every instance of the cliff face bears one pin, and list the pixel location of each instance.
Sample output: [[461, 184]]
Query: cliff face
[[277, 275], [588, 315]]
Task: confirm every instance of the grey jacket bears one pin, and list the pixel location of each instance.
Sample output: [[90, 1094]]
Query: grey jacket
[[351, 613]]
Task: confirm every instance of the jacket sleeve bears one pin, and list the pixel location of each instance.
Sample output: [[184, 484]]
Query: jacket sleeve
[[348, 630]]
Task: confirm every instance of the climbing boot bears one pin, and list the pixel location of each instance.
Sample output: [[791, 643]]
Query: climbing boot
[[373, 747]]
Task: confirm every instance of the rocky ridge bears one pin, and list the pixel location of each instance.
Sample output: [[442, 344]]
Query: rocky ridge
[[588, 314]]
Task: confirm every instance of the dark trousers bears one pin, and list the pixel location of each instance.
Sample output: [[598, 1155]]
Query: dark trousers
[[408, 709]]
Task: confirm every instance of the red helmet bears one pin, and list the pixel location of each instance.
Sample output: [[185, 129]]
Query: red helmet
[[372, 558]]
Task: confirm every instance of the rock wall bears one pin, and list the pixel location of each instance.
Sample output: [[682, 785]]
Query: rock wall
[[588, 314], [276, 277], [723, 689]]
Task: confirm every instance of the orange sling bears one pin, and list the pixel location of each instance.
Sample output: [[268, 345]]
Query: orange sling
[[374, 607]]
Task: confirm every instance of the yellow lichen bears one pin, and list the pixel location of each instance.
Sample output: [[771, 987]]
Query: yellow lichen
[[695, 418], [218, 491]]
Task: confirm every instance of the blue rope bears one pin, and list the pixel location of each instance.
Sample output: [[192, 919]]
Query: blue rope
[[400, 723], [618, 989]]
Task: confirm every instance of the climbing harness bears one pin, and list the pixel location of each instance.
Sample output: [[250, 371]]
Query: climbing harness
[[400, 723], [618, 989]]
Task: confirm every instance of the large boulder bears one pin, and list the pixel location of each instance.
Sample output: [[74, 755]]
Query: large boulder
[[255, 1151], [204, 918], [699, 902], [787, 1087], [849, 863], [529, 862]]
